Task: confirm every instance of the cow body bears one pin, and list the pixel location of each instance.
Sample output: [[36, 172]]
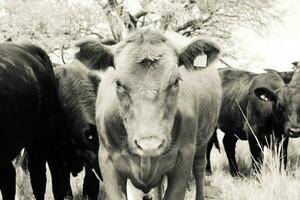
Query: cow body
[[192, 110], [28, 99], [75, 124], [244, 116], [138, 140]]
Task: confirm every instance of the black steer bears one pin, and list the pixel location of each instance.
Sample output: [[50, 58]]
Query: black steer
[[75, 123], [27, 104], [239, 97]]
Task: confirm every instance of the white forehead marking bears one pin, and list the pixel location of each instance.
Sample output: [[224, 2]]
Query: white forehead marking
[[150, 94]]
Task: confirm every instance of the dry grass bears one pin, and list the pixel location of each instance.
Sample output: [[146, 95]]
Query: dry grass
[[270, 184]]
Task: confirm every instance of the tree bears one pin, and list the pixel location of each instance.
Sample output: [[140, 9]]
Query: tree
[[51, 24], [216, 19], [56, 24]]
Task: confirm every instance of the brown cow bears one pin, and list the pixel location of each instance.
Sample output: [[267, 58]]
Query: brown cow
[[155, 112]]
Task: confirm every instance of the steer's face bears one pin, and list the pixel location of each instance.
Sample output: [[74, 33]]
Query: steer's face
[[147, 82], [147, 90], [286, 107]]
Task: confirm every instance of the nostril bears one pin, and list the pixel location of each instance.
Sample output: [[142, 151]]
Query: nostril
[[161, 144], [149, 144]]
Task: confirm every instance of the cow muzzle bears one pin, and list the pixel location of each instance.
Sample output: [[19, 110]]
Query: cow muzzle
[[150, 146]]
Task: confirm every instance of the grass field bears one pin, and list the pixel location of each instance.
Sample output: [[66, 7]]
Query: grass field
[[270, 185]]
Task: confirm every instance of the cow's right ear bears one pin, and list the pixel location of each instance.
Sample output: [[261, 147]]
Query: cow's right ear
[[95, 55], [190, 53], [265, 94]]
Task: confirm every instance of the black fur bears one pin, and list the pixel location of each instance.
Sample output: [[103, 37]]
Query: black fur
[[79, 143], [28, 104]]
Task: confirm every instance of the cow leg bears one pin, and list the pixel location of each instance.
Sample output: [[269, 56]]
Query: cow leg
[[114, 183], [178, 178], [198, 172], [37, 170], [256, 149], [60, 178], [91, 185], [229, 142], [7, 181]]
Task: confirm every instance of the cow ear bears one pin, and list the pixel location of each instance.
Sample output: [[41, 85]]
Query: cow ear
[[296, 63], [195, 50], [94, 55], [265, 94]]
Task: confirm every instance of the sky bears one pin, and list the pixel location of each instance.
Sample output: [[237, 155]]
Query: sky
[[280, 46]]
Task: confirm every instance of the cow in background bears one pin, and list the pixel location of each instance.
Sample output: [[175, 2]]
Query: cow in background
[[240, 98], [78, 141], [285, 104]]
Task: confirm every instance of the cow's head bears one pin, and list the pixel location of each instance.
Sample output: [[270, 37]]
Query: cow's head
[[286, 107], [147, 83]]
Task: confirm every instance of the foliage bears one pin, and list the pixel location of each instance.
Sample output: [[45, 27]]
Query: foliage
[[56, 24], [52, 24], [216, 19]]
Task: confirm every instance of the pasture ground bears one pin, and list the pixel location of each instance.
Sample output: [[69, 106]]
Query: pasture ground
[[270, 185]]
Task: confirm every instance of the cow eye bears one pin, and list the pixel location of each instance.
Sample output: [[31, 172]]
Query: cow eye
[[176, 82], [90, 137]]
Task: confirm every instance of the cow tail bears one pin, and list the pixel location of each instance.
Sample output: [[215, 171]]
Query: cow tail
[[215, 141]]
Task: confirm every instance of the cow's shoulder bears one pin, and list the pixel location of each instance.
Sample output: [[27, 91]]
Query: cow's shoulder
[[39, 53], [235, 76], [235, 85], [26, 53]]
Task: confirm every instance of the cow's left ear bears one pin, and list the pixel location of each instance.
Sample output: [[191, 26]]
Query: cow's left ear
[[265, 94], [189, 54]]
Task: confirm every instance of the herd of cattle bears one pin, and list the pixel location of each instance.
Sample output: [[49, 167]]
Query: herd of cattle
[[152, 113]]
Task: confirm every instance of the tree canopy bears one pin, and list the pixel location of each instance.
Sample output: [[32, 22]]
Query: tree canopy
[[56, 24]]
